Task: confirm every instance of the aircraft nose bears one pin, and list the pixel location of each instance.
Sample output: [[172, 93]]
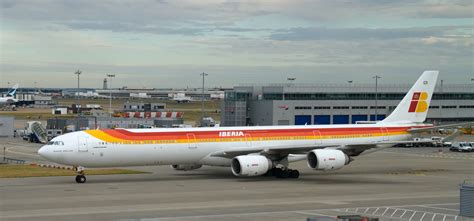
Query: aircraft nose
[[44, 152]]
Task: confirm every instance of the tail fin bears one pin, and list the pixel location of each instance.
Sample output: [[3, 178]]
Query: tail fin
[[12, 92], [414, 106]]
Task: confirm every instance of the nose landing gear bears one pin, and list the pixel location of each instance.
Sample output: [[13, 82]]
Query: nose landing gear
[[80, 178]]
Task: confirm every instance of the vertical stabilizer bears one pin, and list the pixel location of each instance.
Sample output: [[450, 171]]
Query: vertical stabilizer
[[414, 106], [12, 92]]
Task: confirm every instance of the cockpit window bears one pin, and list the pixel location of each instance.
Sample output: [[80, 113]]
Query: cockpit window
[[57, 143]]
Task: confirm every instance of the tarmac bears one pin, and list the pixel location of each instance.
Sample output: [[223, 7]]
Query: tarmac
[[393, 184]]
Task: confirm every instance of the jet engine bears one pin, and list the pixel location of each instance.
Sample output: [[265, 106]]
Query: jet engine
[[250, 165], [186, 167], [327, 159]]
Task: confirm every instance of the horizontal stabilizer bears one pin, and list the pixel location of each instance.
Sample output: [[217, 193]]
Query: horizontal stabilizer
[[449, 126]]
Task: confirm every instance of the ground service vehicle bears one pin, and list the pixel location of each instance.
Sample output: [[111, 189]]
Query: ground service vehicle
[[461, 147]]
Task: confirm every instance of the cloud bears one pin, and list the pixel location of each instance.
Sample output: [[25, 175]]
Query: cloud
[[447, 11], [7, 3], [131, 27], [167, 41], [346, 34], [197, 29], [201, 17]]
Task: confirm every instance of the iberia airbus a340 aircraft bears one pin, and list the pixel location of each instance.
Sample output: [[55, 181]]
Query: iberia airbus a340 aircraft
[[248, 151]]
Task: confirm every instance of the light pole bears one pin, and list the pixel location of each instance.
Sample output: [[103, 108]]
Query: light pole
[[110, 76], [289, 79], [376, 96], [78, 73], [350, 107], [202, 95]]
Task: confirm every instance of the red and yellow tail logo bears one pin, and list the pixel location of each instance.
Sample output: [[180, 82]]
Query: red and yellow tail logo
[[418, 102]]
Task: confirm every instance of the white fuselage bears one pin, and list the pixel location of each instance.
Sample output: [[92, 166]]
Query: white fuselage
[[7, 100], [83, 149]]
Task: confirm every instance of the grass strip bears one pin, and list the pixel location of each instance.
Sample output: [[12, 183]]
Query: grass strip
[[20, 171]]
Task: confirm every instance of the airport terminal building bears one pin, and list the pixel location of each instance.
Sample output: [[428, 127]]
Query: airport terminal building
[[300, 104]]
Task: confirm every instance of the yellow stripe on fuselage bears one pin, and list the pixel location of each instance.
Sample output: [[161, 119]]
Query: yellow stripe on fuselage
[[103, 136], [110, 139]]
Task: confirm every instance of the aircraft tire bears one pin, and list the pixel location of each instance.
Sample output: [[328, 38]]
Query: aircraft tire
[[294, 174], [81, 179], [277, 172], [270, 172], [284, 174]]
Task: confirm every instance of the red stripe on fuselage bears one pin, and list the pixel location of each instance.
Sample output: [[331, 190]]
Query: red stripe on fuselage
[[176, 135]]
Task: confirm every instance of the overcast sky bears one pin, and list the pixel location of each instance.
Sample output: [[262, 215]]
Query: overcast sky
[[161, 43]]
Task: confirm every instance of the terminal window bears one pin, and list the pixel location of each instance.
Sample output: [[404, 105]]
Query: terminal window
[[303, 108], [449, 107], [360, 96]]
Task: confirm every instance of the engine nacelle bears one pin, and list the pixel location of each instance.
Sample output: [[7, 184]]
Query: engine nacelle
[[186, 167], [250, 165], [327, 159]]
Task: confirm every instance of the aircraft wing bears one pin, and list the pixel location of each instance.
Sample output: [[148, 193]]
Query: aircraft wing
[[452, 136], [282, 150], [427, 129], [361, 148], [353, 149], [276, 150], [357, 149]]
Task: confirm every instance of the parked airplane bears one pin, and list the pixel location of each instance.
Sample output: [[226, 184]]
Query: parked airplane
[[181, 98], [10, 98], [90, 94], [139, 95], [249, 151]]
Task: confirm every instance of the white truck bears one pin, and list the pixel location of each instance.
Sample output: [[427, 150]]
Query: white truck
[[461, 147]]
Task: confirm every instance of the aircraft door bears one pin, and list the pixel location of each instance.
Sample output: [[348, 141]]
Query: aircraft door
[[248, 139], [317, 137], [83, 145], [384, 131], [192, 144]]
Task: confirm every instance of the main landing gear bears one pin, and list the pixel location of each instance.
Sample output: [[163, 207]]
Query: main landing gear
[[284, 173], [80, 178]]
